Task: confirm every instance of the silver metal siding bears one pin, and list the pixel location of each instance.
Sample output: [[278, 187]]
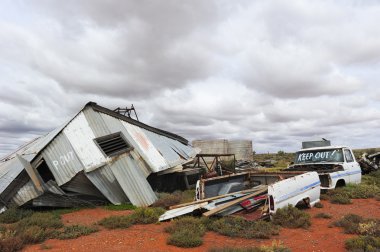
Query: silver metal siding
[[61, 151], [9, 170], [96, 122], [81, 184], [105, 181], [163, 145], [115, 125], [25, 194], [133, 181]]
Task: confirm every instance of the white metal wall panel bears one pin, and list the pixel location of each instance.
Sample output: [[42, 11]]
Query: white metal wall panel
[[81, 138]]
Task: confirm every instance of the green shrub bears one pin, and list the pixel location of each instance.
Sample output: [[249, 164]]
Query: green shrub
[[239, 227], [114, 222], [121, 207], [143, 215], [11, 244], [323, 216], [34, 234], [324, 196], [165, 200], [361, 191], [354, 191], [43, 220], [195, 225], [350, 223], [342, 199], [291, 217], [363, 243], [13, 215], [186, 232], [146, 215], [372, 178], [370, 227], [75, 231], [185, 239], [276, 247], [318, 205]]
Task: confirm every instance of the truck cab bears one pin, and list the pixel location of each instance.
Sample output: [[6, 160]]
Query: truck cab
[[336, 165]]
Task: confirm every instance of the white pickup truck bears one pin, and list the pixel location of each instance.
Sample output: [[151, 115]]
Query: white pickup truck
[[336, 165]]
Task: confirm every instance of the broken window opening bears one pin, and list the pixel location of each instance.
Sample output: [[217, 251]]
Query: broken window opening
[[44, 171], [113, 144]]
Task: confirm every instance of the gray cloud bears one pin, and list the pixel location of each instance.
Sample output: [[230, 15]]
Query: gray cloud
[[277, 73]]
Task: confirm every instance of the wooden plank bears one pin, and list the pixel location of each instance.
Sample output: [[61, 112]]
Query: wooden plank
[[220, 196], [234, 202]]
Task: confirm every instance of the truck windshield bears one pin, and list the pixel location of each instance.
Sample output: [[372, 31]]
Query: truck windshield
[[316, 156]]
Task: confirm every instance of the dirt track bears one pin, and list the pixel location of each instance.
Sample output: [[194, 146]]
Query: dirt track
[[144, 238]]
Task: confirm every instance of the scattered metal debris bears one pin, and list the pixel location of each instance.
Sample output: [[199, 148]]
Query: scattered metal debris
[[369, 162], [251, 191]]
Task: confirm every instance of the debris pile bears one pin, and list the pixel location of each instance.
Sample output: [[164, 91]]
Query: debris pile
[[369, 162], [221, 205], [252, 192]]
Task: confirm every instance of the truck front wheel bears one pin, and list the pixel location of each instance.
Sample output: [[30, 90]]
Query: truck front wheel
[[340, 183]]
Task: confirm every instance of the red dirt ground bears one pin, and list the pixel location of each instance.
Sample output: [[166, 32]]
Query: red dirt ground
[[319, 237]]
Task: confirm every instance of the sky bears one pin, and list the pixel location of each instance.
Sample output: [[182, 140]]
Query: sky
[[274, 72]]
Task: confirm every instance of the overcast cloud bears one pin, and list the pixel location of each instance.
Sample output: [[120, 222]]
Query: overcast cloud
[[274, 72]]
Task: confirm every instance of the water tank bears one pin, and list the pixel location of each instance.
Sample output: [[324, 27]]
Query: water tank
[[241, 148], [216, 146]]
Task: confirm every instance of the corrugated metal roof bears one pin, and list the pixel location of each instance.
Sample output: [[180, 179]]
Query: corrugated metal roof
[[8, 172], [160, 152], [137, 123]]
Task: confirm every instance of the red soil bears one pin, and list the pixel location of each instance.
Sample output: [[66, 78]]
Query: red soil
[[319, 237]]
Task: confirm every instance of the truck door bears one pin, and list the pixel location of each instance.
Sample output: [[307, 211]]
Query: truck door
[[350, 162]]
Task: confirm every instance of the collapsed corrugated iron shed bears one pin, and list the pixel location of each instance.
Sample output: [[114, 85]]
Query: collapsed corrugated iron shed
[[99, 153]]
